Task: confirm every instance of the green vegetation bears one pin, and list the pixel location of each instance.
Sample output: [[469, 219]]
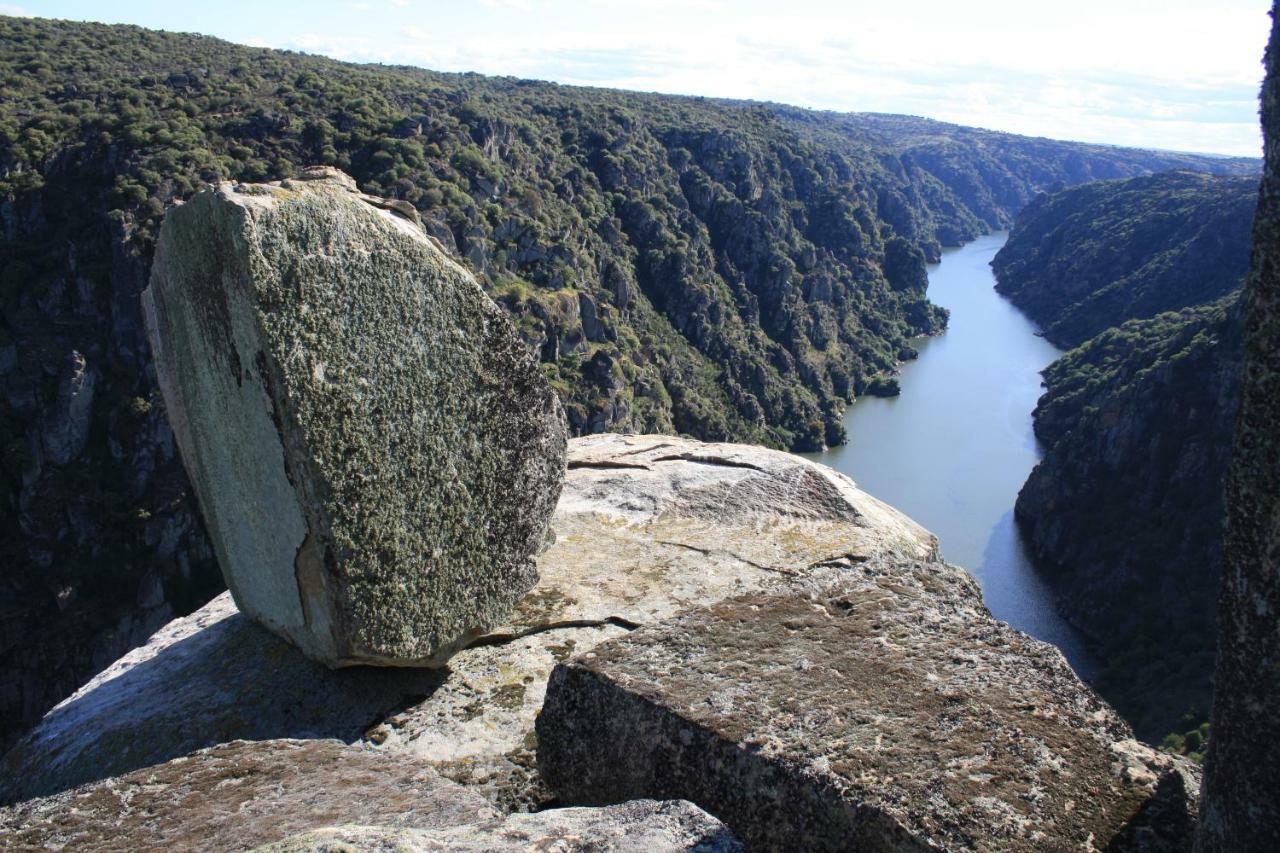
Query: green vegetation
[[1193, 739], [1125, 510], [723, 269], [1088, 258]]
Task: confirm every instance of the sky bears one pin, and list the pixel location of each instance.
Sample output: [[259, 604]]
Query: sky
[[1171, 74]]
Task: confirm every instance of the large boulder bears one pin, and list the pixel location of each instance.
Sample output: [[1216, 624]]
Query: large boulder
[[375, 453], [647, 526], [880, 708], [653, 827], [240, 795]]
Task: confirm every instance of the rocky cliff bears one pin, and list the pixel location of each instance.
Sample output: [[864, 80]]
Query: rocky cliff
[[1124, 511], [1242, 769], [1088, 258], [740, 628], [721, 269]]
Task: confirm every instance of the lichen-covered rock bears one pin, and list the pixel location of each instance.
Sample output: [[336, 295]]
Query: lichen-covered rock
[[1241, 809], [647, 526], [375, 454], [240, 795], [879, 708], [653, 827]]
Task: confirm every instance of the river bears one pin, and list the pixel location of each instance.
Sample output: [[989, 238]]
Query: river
[[955, 447]]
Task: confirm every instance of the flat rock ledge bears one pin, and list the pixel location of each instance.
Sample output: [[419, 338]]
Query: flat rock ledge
[[240, 795], [375, 452], [653, 827], [879, 708], [646, 527]]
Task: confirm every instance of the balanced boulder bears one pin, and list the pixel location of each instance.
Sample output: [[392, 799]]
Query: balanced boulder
[[375, 454]]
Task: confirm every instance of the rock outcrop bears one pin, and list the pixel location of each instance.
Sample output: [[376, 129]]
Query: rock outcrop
[[240, 795], [647, 526], [375, 454], [653, 827], [878, 707], [1240, 810]]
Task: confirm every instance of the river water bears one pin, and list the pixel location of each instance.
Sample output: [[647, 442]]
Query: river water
[[955, 447]]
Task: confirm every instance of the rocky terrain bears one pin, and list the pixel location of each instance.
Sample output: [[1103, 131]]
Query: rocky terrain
[[651, 533], [878, 707], [759, 581], [720, 269], [1125, 510], [1242, 768]]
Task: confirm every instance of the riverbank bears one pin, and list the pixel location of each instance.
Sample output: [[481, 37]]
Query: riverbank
[[953, 449]]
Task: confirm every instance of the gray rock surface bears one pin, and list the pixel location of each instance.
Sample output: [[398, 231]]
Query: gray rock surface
[[646, 526], [878, 708], [375, 453], [653, 827], [240, 795], [1241, 808]]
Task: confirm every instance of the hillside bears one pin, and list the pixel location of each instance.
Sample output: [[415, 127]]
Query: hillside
[[726, 270], [1125, 510], [1083, 260]]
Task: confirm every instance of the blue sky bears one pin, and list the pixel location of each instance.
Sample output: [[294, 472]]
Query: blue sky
[[1169, 74]]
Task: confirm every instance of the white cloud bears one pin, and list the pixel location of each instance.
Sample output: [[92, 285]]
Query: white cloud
[[1174, 73], [15, 11]]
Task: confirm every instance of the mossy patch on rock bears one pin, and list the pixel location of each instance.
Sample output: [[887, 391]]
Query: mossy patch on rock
[[375, 452]]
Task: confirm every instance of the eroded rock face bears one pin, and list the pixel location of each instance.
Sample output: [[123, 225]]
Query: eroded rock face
[[653, 827], [375, 454], [875, 708], [1242, 769], [240, 795], [647, 526]]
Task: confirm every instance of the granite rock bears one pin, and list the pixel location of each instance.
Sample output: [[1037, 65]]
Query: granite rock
[[1242, 767], [881, 708], [647, 526], [240, 795], [375, 453], [654, 827]]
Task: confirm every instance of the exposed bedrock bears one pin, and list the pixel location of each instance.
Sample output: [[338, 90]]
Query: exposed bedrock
[[874, 708], [375, 454], [653, 827], [242, 794], [291, 796], [646, 527]]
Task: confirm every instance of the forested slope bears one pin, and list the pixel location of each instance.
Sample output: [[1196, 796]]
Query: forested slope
[[723, 269], [1089, 258], [1125, 510]]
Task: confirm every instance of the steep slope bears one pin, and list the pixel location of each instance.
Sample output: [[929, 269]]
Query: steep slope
[[1125, 509], [1239, 807], [1088, 258], [722, 269]]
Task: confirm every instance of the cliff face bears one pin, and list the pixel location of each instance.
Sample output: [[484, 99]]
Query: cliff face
[[1125, 509], [1085, 259], [1242, 769], [719, 269]]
